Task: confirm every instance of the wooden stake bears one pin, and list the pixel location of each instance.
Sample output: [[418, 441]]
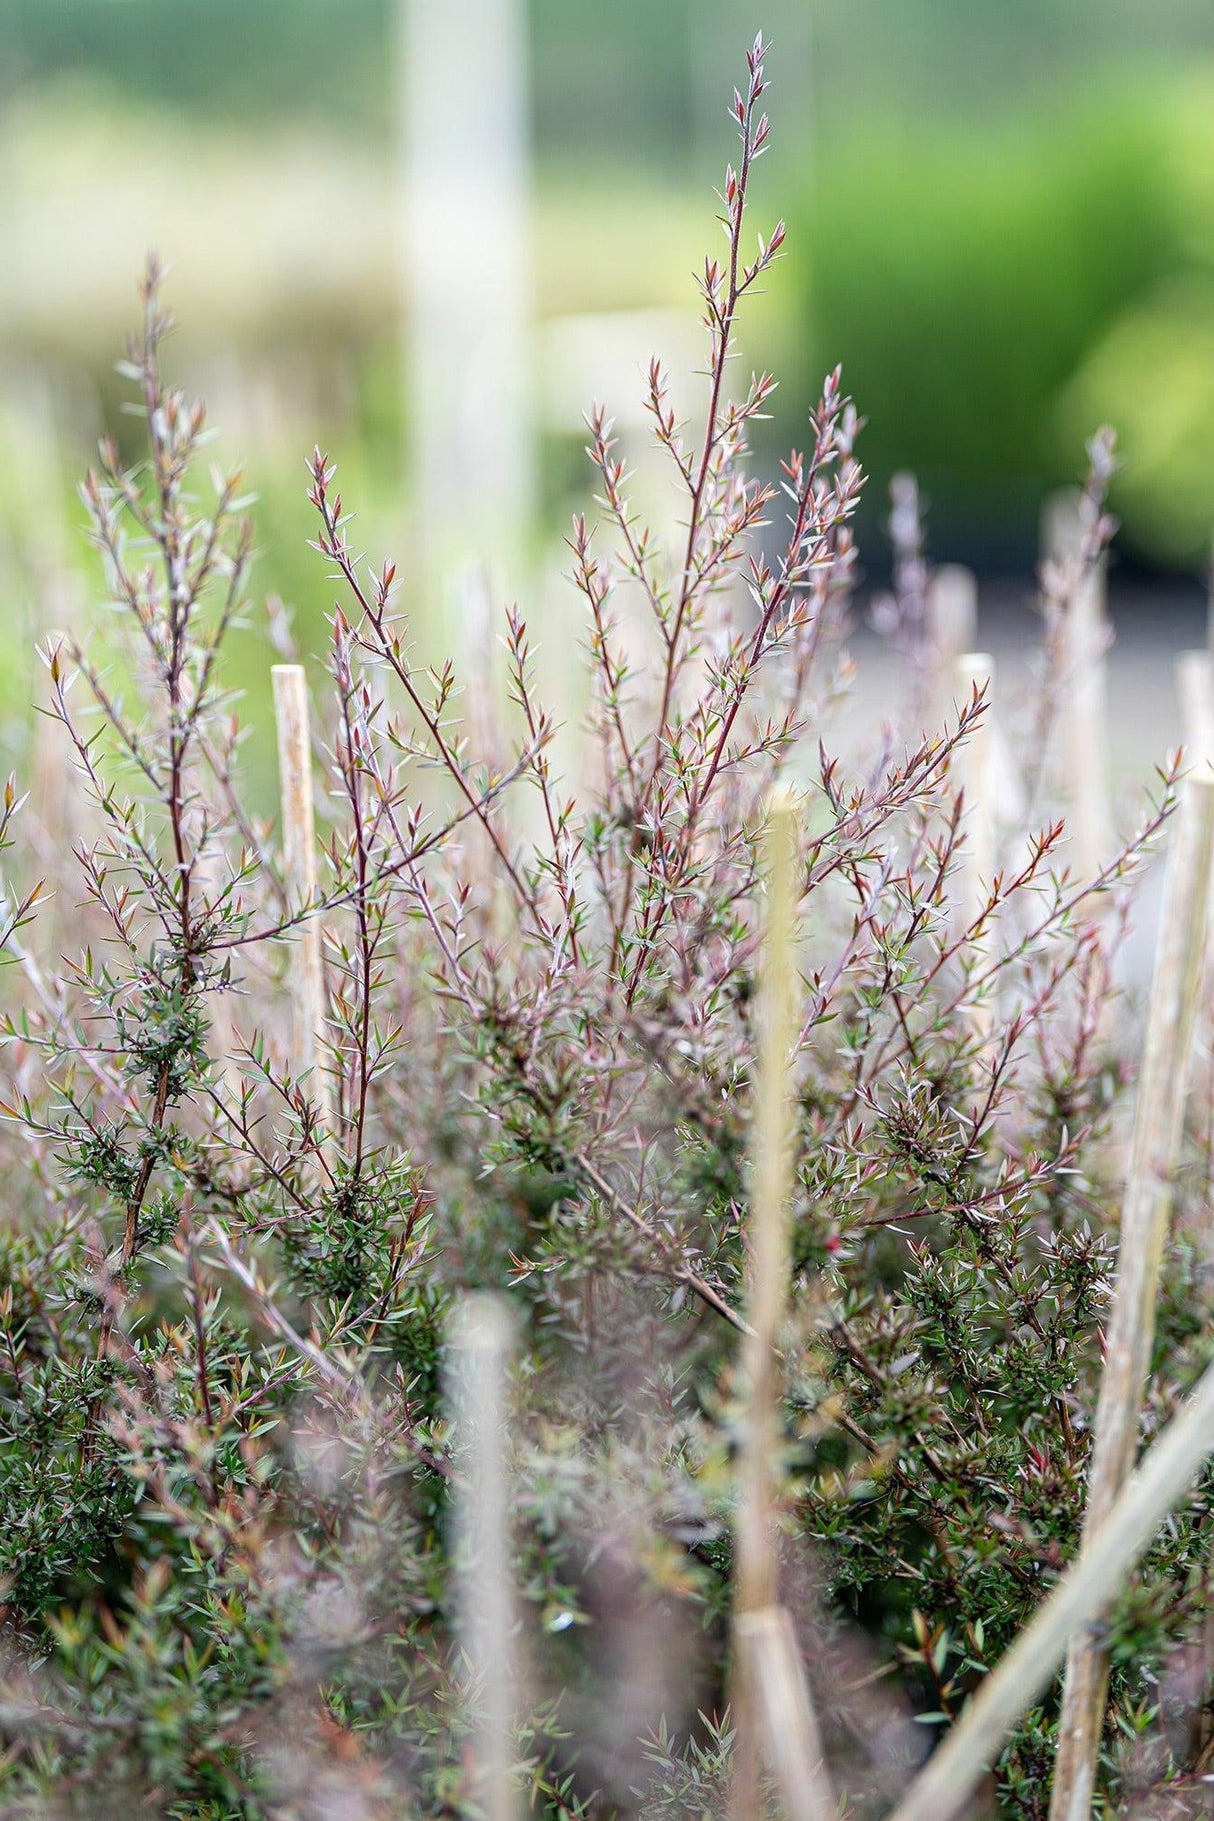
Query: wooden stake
[[943, 1790], [787, 1726], [481, 1346], [299, 858], [1144, 1222], [1084, 753], [1195, 688], [770, 1702]]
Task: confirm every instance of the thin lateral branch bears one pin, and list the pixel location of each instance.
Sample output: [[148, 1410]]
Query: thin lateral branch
[[336, 1376], [1144, 1223], [682, 1273], [386, 646]]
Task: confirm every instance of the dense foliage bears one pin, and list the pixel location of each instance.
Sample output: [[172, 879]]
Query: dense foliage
[[230, 1458]]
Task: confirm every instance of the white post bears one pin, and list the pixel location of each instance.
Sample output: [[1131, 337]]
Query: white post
[[299, 862], [1084, 746], [1195, 688], [975, 670], [465, 191], [770, 1703], [951, 613]]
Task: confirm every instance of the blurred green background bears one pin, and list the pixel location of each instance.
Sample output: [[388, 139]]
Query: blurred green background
[[1001, 222]]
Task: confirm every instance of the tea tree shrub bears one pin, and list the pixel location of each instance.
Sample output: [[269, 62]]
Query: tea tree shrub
[[230, 1462]]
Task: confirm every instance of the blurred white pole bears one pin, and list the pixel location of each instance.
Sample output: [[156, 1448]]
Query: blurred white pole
[[1084, 754], [951, 615], [466, 207], [1195, 688], [975, 773], [480, 1341]]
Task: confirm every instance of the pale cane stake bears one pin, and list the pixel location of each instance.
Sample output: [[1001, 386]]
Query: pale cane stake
[[943, 1790], [1195, 689], [770, 1703], [772, 1141], [784, 1719], [1144, 1221], [481, 1347], [299, 857]]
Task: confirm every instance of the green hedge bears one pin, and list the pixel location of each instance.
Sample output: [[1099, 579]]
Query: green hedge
[[964, 277]]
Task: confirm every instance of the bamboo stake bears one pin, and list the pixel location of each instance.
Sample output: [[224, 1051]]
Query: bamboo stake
[[1144, 1221], [1084, 724], [299, 858], [481, 1345], [770, 1701], [785, 1721], [944, 1788], [1195, 688], [465, 195]]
